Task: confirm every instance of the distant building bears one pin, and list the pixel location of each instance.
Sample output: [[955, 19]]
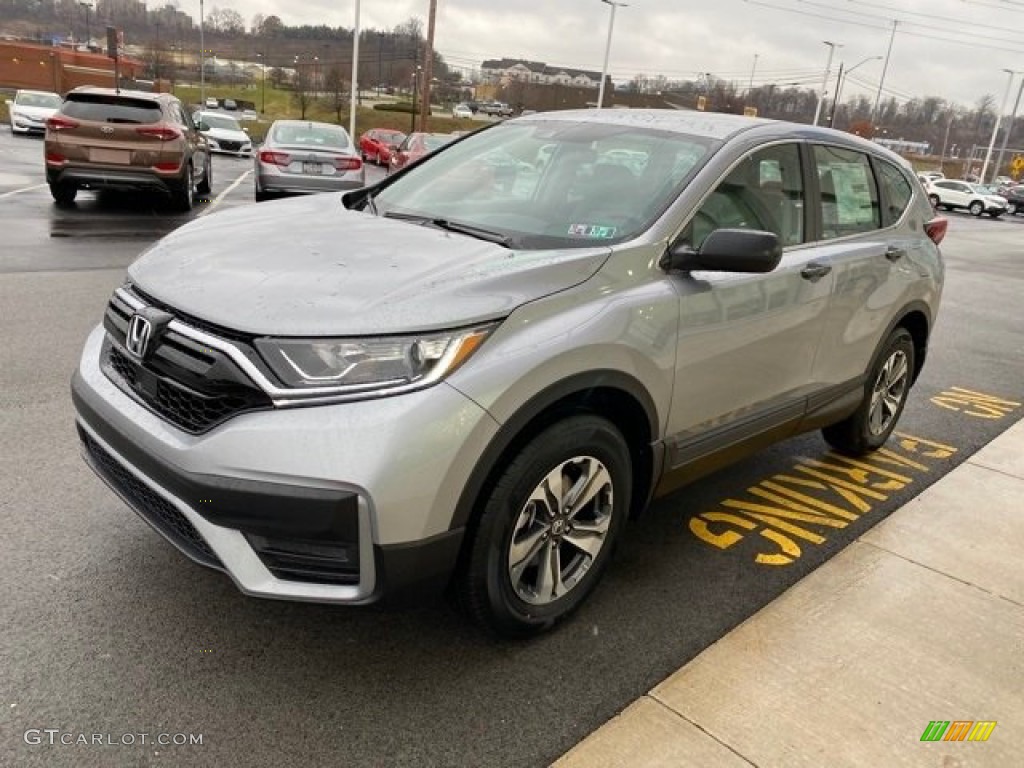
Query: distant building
[[505, 71], [904, 147]]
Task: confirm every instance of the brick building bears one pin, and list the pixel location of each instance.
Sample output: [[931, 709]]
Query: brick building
[[47, 68]]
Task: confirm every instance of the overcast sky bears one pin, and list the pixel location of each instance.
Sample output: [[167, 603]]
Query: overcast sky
[[952, 49]]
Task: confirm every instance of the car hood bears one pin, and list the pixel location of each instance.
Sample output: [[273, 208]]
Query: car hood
[[36, 113], [227, 134], [310, 267]]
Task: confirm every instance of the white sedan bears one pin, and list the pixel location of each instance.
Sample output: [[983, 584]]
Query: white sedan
[[29, 110], [461, 110], [223, 133]]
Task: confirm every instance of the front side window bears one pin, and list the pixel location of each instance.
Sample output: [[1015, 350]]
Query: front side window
[[552, 183], [764, 191], [849, 198]]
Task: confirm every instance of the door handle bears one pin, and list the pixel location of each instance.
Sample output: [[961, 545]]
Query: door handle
[[815, 271], [892, 253]]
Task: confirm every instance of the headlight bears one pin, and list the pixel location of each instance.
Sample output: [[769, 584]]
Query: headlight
[[370, 365]]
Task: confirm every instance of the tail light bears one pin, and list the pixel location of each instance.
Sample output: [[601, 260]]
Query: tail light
[[172, 165], [936, 229], [275, 158], [348, 163], [53, 158], [161, 132], [61, 123]]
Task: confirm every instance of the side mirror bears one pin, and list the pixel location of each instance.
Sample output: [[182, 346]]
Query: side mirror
[[727, 250]]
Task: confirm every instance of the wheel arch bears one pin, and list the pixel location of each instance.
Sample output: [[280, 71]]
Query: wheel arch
[[614, 395], [916, 318]]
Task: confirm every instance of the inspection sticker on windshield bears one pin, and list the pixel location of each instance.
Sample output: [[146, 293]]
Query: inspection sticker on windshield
[[592, 230]]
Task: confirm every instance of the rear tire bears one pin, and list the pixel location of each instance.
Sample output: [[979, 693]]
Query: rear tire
[[547, 528], [1012, 209], [63, 193], [205, 186], [183, 191], [885, 395]]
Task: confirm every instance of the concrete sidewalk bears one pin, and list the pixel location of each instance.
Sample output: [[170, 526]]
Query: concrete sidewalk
[[920, 619]]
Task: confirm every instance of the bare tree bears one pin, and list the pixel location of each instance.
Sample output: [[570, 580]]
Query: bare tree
[[302, 90], [337, 93]]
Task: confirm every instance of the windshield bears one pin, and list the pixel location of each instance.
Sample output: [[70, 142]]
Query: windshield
[[221, 121], [551, 183], [49, 100], [310, 135], [431, 143]]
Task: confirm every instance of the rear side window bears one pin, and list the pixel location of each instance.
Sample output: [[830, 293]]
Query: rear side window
[[104, 108], [849, 198], [896, 190]]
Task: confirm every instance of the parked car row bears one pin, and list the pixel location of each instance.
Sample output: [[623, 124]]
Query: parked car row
[[978, 199]]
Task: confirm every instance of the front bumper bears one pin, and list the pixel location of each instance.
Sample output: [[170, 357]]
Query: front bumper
[[332, 504]]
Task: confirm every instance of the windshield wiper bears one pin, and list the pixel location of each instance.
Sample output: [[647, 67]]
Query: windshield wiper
[[453, 226]]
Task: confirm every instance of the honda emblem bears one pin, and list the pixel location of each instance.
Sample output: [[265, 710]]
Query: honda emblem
[[139, 332]]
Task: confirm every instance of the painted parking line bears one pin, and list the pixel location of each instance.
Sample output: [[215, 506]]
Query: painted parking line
[[217, 200], [818, 495], [19, 191]]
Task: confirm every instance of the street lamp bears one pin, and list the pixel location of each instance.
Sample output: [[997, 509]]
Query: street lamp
[[999, 120], [824, 83], [202, 60], [88, 32], [608, 49], [1009, 128], [840, 80], [263, 85], [353, 95]]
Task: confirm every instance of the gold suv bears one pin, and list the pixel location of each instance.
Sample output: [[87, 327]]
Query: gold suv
[[106, 139]]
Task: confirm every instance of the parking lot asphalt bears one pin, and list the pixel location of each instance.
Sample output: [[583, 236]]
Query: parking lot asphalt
[[108, 630]]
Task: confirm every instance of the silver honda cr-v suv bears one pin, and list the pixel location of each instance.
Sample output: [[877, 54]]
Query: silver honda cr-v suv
[[472, 373]]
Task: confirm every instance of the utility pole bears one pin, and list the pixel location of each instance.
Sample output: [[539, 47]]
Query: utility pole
[[750, 85], [885, 69], [428, 67], [835, 98], [945, 143], [607, 50]]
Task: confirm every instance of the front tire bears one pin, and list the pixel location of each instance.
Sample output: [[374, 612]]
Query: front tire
[[885, 395], [976, 208], [547, 528]]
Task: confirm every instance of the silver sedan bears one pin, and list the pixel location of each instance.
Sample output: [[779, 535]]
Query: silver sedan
[[301, 157]]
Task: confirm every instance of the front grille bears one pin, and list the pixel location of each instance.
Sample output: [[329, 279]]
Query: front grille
[[151, 506], [190, 385], [230, 146]]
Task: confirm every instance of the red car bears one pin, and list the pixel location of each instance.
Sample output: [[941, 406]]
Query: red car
[[377, 145], [415, 146]]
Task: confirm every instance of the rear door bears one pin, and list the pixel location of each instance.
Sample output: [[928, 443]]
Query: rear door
[[864, 237]]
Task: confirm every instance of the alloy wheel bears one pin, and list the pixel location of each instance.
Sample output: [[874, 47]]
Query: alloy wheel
[[560, 530], [888, 393]]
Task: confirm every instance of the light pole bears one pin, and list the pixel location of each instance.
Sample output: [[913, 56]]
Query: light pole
[[202, 60], [88, 32], [1009, 128], [824, 83], [354, 85], [608, 49], [839, 85], [263, 84], [999, 120]]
